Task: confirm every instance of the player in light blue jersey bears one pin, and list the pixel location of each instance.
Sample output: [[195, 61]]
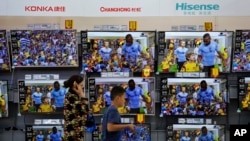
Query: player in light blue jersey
[[180, 54], [55, 135], [131, 50], [40, 136], [107, 97], [105, 52], [185, 137], [205, 94], [37, 98], [207, 53], [205, 135], [182, 96], [57, 96], [133, 95]]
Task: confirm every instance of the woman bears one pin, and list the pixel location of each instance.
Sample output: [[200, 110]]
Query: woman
[[75, 109]]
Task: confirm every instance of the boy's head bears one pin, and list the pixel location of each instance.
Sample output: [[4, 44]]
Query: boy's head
[[118, 96], [191, 56]]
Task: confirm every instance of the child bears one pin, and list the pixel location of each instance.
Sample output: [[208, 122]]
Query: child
[[111, 123], [45, 106], [190, 65]]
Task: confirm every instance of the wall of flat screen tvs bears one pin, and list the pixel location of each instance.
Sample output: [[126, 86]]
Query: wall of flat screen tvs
[[4, 52]]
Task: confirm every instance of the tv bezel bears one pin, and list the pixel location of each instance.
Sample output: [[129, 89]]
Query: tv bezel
[[8, 45], [37, 113], [153, 98], [46, 67], [125, 31], [199, 116], [231, 55]]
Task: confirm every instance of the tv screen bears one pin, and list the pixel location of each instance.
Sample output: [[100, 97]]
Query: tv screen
[[44, 48], [185, 96], [4, 52], [41, 96], [191, 132], [244, 93], [142, 133], [186, 51], [4, 112], [139, 99], [241, 56], [110, 52], [43, 132]]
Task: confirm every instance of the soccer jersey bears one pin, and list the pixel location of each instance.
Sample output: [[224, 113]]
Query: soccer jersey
[[107, 97], [105, 53], [39, 137], [182, 97], [46, 108], [206, 95], [207, 137], [181, 54], [190, 67], [134, 97], [37, 97], [208, 53], [184, 138], [56, 137], [58, 96], [131, 51]]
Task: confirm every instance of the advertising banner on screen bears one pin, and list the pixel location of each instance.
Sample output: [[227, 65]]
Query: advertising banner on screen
[[123, 8]]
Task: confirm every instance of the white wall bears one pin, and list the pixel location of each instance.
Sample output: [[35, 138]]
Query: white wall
[[144, 23]]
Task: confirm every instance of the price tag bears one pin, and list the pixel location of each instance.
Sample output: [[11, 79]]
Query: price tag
[[241, 86], [21, 92]]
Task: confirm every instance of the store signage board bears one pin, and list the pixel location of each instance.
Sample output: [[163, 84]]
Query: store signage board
[[121, 8]]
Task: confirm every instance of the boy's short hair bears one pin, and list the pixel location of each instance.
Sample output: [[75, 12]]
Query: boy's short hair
[[116, 91], [189, 54]]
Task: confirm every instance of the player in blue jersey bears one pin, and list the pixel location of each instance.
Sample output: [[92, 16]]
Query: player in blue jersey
[[205, 135], [131, 50], [107, 97], [205, 94], [133, 95], [105, 52], [57, 96], [40, 136], [180, 54], [182, 95], [55, 135], [185, 137], [37, 98], [207, 53], [247, 44]]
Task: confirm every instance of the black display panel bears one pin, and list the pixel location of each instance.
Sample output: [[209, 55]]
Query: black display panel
[[244, 93], [192, 132], [43, 132], [179, 51], [142, 133], [241, 56], [4, 108], [40, 96], [4, 52], [139, 100], [44, 48], [107, 51], [184, 97]]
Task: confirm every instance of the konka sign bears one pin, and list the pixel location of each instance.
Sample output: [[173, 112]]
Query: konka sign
[[45, 8]]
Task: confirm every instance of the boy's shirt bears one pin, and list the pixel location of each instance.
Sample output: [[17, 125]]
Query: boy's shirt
[[111, 116]]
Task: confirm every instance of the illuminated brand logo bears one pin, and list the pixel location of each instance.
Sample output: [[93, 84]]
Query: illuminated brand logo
[[187, 6]]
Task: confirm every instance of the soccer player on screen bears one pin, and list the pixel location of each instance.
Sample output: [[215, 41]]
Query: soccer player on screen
[[205, 135], [133, 94], [105, 52], [205, 94], [40, 136], [185, 137], [37, 98], [107, 97], [57, 96], [207, 53], [180, 55], [182, 96], [131, 50]]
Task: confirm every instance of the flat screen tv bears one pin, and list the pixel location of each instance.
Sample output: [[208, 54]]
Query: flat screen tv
[[185, 97], [138, 100], [244, 93], [43, 132], [191, 132], [44, 48], [4, 109], [241, 56], [110, 52], [41, 97], [183, 51], [4, 52], [142, 133]]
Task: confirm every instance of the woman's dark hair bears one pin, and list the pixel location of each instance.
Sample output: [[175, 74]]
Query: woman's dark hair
[[74, 78]]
